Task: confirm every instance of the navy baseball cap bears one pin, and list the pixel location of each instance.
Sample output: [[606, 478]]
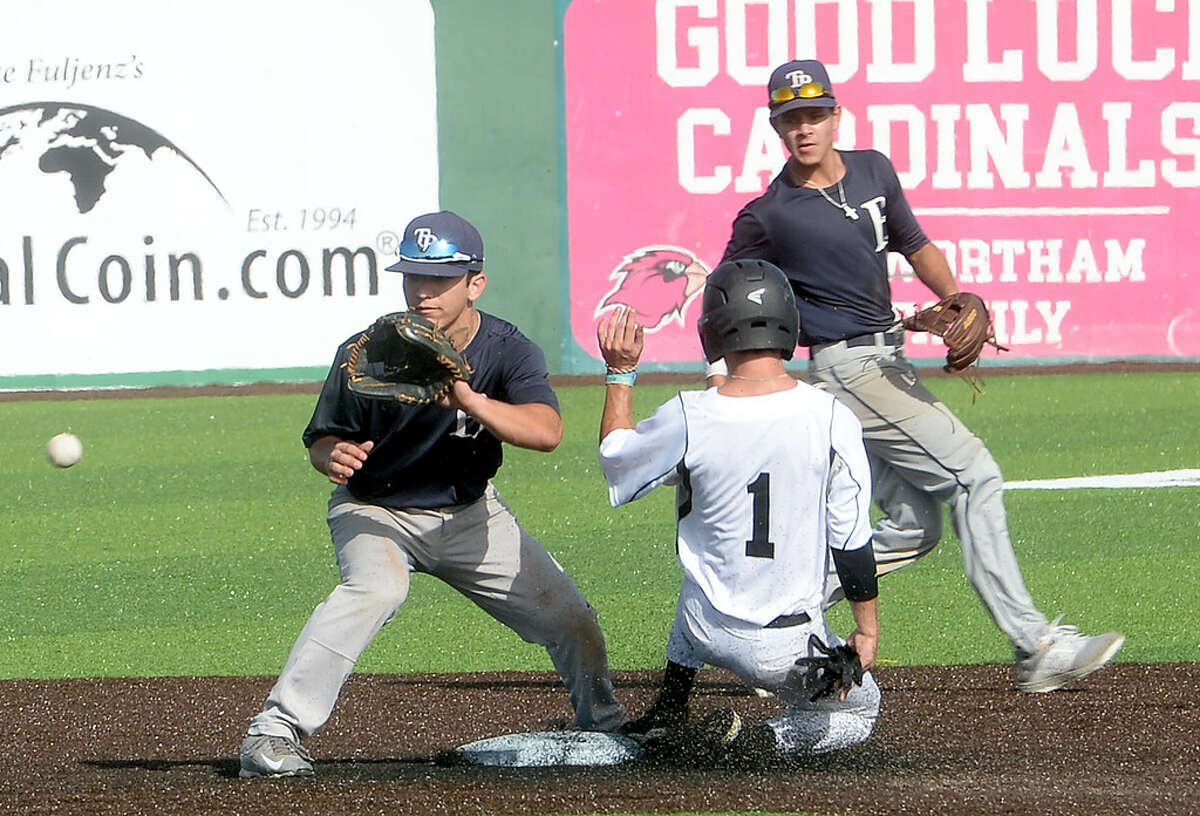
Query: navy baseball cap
[[443, 244], [800, 84]]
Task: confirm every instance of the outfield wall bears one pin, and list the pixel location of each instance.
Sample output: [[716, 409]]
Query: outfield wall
[[182, 187]]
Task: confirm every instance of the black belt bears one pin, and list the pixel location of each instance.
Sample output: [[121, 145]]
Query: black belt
[[784, 621], [889, 339]]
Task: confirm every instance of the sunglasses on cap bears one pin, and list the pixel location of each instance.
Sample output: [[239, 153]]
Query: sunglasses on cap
[[809, 90], [440, 251]]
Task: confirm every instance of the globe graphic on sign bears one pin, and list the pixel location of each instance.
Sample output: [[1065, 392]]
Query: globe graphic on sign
[[76, 160]]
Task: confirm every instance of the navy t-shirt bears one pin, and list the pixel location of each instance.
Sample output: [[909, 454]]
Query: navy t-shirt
[[837, 266], [427, 455]]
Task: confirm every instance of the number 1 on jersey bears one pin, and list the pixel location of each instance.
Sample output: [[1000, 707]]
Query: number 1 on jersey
[[759, 545]]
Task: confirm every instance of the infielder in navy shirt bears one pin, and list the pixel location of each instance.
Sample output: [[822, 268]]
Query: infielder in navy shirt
[[413, 494], [828, 220]]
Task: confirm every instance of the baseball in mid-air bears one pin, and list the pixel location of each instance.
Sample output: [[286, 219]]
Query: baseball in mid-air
[[64, 449]]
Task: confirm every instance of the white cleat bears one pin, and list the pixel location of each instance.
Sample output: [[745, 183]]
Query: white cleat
[[1065, 656], [265, 756]]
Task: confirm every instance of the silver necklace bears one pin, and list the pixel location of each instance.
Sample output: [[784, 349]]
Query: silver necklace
[[758, 379], [844, 206]]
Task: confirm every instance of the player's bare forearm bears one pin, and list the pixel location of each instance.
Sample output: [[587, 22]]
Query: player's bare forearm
[[865, 638], [931, 267], [533, 425], [618, 409], [337, 458]]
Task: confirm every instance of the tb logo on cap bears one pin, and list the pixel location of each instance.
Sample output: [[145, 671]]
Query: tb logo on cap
[[798, 78], [424, 237]]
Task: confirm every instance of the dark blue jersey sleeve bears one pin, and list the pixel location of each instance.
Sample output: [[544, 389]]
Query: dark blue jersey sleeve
[[525, 377], [905, 235], [748, 239]]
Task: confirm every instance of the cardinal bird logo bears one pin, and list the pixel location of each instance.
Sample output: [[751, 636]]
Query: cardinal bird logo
[[657, 282]]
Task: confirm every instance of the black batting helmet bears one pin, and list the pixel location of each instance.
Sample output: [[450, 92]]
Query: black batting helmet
[[748, 305]]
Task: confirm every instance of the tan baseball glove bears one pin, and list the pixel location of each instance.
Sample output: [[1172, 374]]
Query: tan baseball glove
[[963, 323]]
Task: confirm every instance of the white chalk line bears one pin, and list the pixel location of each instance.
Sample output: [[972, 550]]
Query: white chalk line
[[1188, 477]]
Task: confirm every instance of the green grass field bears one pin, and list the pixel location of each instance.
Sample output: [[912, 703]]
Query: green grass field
[[191, 539]]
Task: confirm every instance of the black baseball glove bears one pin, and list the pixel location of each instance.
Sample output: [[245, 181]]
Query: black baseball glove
[[404, 357], [835, 669]]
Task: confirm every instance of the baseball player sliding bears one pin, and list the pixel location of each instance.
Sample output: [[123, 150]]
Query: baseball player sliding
[[412, 494], [771, 477]]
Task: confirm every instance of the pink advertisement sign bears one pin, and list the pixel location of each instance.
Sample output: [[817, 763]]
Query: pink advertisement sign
[[1050, 149]]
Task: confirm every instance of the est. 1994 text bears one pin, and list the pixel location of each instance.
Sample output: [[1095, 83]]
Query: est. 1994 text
[[307, 219]]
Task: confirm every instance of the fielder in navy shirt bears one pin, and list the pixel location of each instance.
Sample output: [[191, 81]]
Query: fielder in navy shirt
[[413, 494], [828, 220]]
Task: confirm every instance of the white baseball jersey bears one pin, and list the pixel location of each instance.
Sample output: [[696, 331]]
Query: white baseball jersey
[[765, 486]]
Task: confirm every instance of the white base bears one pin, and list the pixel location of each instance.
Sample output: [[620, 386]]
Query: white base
[[549, 748]]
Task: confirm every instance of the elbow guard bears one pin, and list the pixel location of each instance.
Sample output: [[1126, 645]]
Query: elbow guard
[[856, 571]]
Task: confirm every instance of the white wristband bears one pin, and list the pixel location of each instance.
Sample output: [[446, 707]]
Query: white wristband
[[716, 368]]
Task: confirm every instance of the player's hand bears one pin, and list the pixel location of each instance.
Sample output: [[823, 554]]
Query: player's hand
[[459, 396], [345, 459], [866, 645], [621, 338]]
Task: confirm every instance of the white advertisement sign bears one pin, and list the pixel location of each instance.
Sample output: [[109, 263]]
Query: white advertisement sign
[[199, 186]]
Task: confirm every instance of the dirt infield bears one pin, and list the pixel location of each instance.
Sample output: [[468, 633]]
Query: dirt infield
[[950, 740]]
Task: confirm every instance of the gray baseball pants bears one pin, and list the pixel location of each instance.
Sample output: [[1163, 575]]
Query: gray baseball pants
[[922, 456], [765, 658], [479, 549]]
